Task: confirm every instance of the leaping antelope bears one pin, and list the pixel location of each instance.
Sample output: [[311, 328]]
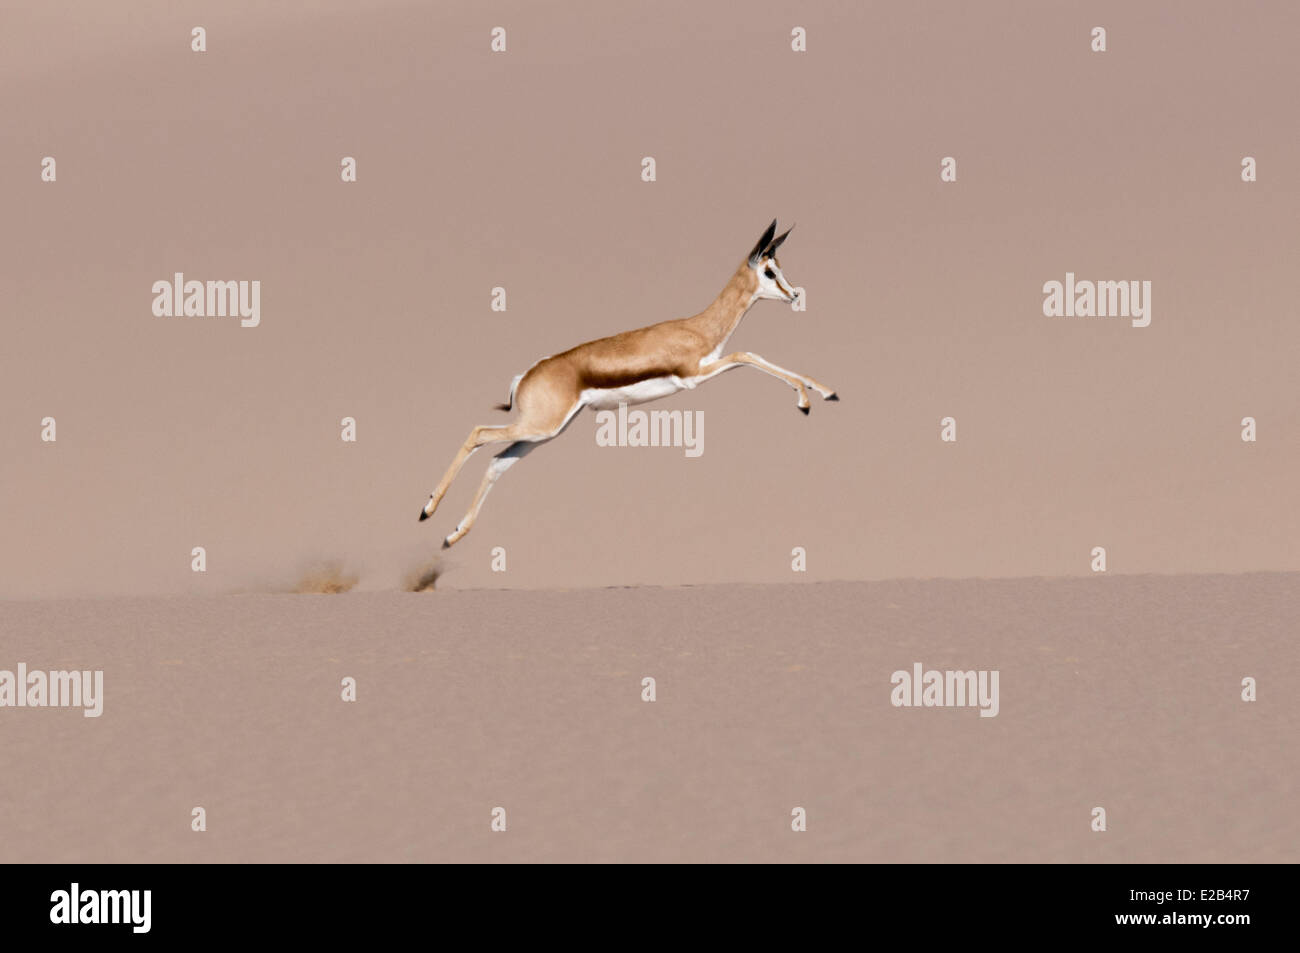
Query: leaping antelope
[[633, 367]]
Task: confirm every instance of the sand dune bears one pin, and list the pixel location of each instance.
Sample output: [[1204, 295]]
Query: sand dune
[[1120, 692]]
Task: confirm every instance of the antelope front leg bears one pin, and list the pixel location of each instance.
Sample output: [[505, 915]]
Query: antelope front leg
[[796, 381], [763, 364]]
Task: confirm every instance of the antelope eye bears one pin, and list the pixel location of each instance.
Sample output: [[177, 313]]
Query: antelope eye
[[770, 274]]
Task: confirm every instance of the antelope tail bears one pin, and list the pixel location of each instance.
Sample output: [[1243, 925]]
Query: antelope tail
[[510, 403]]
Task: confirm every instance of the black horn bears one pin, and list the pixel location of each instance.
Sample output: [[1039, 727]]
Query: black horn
[[776, 242], [763, 242]]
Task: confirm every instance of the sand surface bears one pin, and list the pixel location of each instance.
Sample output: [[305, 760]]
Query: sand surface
[[1121, 692]]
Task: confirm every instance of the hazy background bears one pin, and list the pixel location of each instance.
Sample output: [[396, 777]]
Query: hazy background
[[523, 170]]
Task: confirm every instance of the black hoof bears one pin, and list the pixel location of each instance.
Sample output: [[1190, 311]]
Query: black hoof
[[804, 410], [446, 545], [833, 397], [423, 516]]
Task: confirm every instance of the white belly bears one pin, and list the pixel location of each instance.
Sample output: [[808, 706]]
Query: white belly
[[608, 398]]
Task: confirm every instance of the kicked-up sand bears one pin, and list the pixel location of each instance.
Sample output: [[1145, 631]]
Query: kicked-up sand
[[1123, 693]]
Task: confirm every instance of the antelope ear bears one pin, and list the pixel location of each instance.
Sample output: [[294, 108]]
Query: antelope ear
[[776, 242], [763, 242]]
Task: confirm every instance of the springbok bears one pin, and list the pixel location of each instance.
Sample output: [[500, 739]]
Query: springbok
[[630, 368]]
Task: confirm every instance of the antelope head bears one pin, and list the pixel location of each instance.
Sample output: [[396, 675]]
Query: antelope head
[[762, 261]]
